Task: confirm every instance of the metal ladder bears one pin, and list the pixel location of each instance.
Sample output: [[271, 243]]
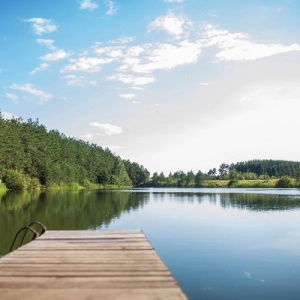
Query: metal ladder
[[26, 229]]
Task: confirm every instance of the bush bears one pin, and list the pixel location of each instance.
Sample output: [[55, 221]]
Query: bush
[[3, 188], [74, 186], [89, 185], [34, 184], [232, 183], [285, 182], [15, 180]]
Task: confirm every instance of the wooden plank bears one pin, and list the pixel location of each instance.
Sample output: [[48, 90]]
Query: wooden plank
[[119, 247], [93, 294], [67, 233], [79, 272], [86, 241], [92, 232], [83, 251], [83, 267], [87, 265], [98, 266], [86, 282], [92, 247], [86, 254], [96, 259], [85, 234]]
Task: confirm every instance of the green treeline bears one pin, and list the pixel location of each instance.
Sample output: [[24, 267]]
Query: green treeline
[[255, 173], [276, 168], [32, 157]]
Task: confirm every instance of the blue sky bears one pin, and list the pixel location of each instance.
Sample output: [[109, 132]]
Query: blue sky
[[170, 84]]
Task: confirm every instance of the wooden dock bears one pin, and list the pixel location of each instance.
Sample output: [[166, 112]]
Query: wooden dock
[[87, 265]]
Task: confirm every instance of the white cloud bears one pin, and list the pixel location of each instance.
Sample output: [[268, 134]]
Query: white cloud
[[251, 96], [137, 88], [251, 51], [12, 97], [135, 51], [173, 1], [40, 68], [41, 26], [123, 40], [270, 94], [56, 55], [127, 96], [204, 83], [237, 47], [86, 64], [132, 79], [88, 136], [75, 80], [110, 52], [171, 23], [29, 88], [145, 59], [107, 129], [111, 7], [8, 116], [164, 57], [88, 4], [48, 43]]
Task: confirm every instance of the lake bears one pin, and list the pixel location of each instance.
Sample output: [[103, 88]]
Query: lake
[[218, 243]]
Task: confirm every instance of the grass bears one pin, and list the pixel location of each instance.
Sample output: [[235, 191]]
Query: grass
[[258, 183], [66, 186], [89, 186], [215, 184]]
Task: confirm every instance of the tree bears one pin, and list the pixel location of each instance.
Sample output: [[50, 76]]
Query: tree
[[212, 172], [138, 174], [190, 179], [298, 174], [120, 176], [233, 174], [223, 169], [199, 178]]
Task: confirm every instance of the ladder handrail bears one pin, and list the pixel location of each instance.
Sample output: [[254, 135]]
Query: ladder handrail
[[26, 228], [44, 228], [35, 234]]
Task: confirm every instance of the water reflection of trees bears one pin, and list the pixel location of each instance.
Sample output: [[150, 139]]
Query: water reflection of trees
[[250, 201], [60, 210], [260, 202], [185, 196], [11, 201]]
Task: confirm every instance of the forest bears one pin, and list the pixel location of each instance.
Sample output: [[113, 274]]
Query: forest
[[31, 157], [254, 173]]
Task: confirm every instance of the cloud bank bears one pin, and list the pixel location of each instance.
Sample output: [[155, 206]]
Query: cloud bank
[[41, 26]]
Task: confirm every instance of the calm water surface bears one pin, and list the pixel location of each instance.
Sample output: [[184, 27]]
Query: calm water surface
[[218, 243]]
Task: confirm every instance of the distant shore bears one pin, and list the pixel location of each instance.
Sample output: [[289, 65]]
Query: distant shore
[[257, 183], [284, 182]]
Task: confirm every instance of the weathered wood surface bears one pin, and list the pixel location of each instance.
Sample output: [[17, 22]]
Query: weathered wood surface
[[87, 265]]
